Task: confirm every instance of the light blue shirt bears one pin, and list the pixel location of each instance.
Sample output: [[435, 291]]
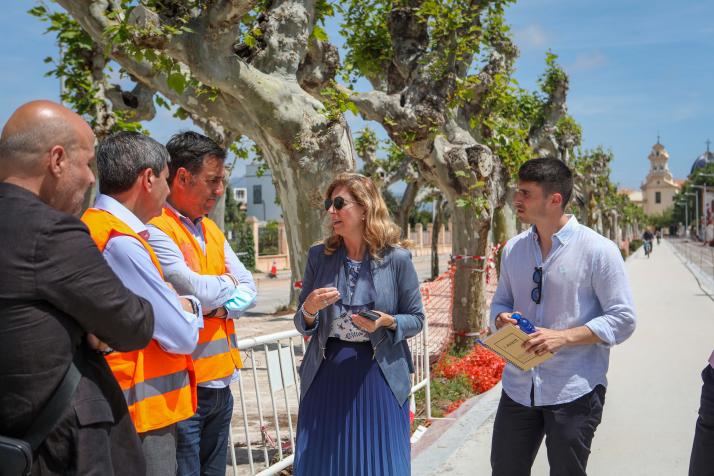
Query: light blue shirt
[[175, 330], [213, 291], [584, 284]]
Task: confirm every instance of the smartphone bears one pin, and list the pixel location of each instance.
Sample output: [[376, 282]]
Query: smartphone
[[371, 315]]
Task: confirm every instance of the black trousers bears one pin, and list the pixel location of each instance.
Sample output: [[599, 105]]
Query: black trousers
[[568, 429], [701, 462]]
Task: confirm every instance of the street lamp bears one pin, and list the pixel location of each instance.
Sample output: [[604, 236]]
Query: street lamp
[[696, 211], [704, 197], [686, 217]]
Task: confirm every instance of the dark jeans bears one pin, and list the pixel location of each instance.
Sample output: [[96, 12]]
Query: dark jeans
[[203, 438], [568, 429], [701, 462]]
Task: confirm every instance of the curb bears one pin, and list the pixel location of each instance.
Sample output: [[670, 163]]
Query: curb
[[703, 280], [445, 436]]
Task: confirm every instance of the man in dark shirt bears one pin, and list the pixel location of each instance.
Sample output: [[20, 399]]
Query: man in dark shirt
[[59, 297]]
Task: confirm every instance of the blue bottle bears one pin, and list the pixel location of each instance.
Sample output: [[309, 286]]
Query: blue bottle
[[523, 323]]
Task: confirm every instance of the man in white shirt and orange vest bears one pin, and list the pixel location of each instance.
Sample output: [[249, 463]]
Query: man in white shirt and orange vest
[[158, 381], [198, 260]]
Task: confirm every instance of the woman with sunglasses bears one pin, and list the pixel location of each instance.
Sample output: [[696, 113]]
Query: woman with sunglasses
[[355, 383]]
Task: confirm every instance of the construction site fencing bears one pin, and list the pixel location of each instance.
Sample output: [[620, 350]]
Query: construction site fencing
[[267, 394]]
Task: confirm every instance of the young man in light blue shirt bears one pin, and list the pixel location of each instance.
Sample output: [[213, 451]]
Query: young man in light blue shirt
[[570, 282]]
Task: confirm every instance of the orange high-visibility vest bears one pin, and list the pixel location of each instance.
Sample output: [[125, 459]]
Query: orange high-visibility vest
[[159, 387], [216, 355]]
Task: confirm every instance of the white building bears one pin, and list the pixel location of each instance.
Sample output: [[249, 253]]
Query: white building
[[258, 194], [659, 187]]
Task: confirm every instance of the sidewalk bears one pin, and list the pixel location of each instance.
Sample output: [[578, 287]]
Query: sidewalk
[[653, 392]]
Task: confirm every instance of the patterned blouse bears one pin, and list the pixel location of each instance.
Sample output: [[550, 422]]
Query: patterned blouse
[[342, 327]]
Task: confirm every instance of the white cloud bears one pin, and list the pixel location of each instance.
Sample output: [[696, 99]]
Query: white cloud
[[588, 106], [687, 110], [587, 62], [614, 105], [531, 37]]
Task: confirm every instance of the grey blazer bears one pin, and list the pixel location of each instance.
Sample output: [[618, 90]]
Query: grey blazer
[[394, 289]]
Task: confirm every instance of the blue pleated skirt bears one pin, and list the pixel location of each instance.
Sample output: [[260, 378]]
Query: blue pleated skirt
[[349, 422]]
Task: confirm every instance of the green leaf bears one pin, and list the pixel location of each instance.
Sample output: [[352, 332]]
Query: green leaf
[[177, 82], [160, 101], [462, 202], [181, 113], [37, 11], [319, 33]]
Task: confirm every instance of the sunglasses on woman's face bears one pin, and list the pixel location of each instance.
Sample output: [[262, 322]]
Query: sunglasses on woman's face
[[338, 202]]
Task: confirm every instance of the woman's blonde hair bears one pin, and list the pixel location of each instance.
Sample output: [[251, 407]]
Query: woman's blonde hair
[[380, 232]]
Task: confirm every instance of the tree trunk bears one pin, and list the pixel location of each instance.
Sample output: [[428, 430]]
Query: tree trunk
[[406, 205], [505, 220], [300, 186], [469, 238], [436, 230]]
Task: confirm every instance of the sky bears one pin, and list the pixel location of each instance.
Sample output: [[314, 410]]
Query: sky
[[637, 68]]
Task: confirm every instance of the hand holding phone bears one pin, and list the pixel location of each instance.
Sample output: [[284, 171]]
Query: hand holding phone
[[371, 315]]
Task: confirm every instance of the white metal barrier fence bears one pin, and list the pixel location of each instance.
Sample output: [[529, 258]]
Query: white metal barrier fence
[[262, 434]]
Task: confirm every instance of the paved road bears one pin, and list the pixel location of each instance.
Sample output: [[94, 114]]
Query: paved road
[[653, 392]]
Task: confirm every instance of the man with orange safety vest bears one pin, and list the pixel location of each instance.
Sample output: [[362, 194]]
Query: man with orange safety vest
[[158, 381], [198, 260]]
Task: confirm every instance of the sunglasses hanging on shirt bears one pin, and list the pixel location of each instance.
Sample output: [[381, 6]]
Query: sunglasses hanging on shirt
[[537, 292]]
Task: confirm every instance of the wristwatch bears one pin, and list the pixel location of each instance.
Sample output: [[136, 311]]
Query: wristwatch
[[194, 306], [216, 310]]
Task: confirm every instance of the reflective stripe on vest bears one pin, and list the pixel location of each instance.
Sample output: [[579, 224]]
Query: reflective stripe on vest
[[216, 355], [156, 386], [160, 387], [215, 347]]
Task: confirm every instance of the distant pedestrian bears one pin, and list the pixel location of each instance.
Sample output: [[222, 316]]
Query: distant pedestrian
[[571, 283], [355, 384]]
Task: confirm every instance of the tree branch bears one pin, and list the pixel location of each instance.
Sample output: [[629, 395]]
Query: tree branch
[[259, 97], [139, 102], [224, 14], [222, 136], [286, 37], [318, 67], [103, 108], [410, 40], [542, 138]]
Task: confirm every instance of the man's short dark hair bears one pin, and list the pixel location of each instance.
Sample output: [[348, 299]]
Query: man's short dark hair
[[552, 175], [122, 156], [188, 149]]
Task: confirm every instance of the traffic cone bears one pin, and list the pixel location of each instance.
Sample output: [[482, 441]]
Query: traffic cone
[[274, 270]]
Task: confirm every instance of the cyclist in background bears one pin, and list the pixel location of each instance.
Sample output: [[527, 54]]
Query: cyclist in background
[[647, 236]]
